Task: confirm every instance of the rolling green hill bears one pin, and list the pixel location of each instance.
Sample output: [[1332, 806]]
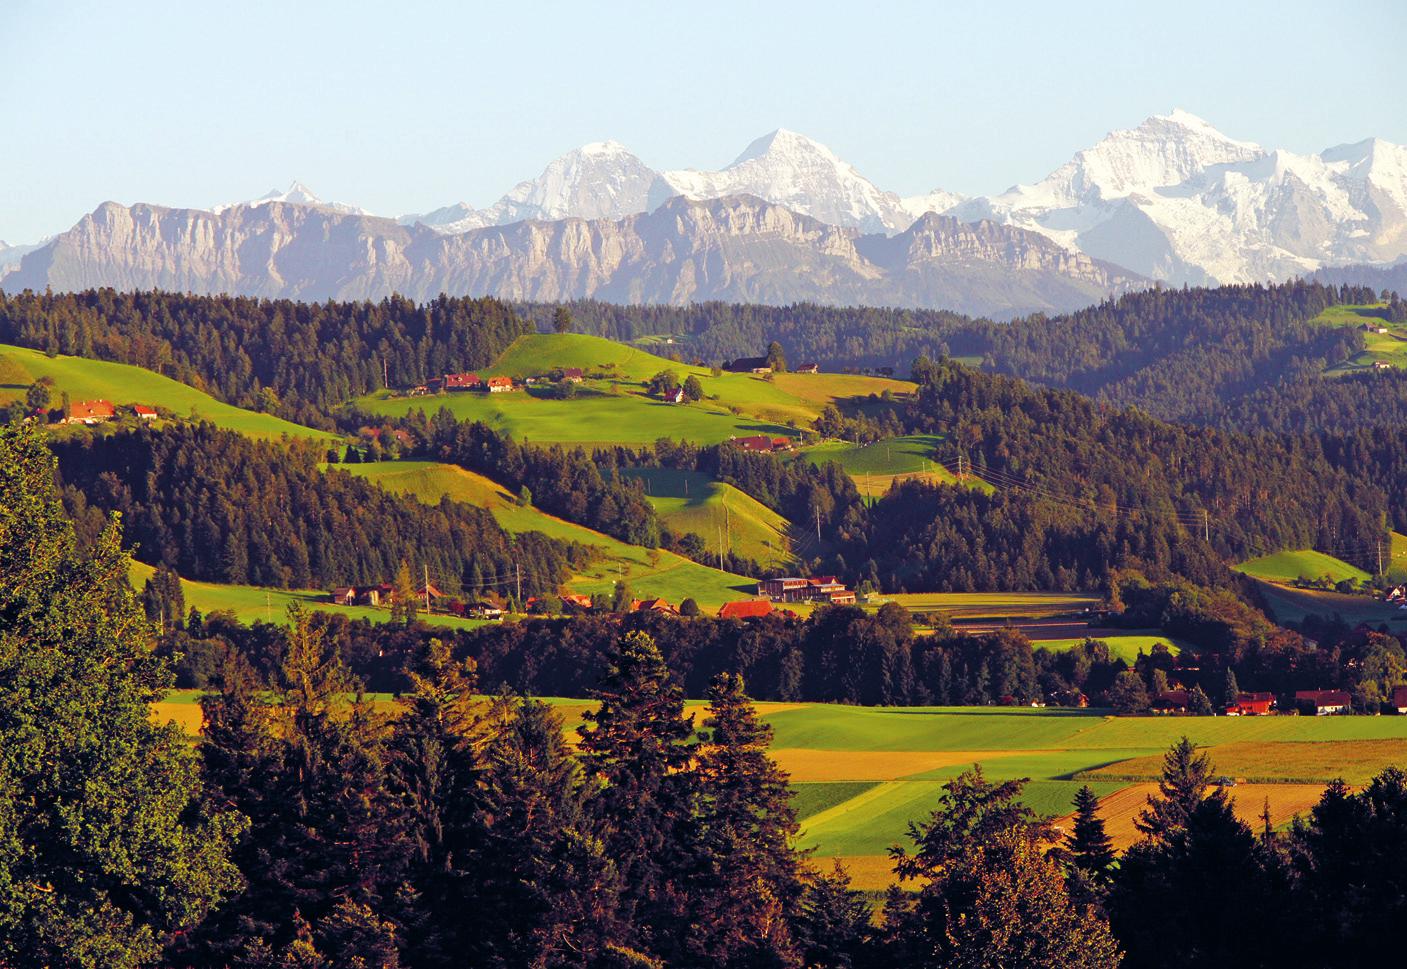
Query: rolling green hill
[[874, 467], [120, 383], [648, 572], [690, 501], [1300, 564], [611, 406]]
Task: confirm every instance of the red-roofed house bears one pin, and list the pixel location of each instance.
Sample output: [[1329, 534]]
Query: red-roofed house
[[461, 381], [1172, 701], [655, 605], [144, 412], [572, 374], [1399, 699], [576, 602], [1323, 702], [499, 385], [1251, 705], [90, 412], [764, 443], [746, 609]]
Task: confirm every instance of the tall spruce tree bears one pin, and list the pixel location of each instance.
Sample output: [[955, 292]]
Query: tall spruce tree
[[1186, 777], [105, 850], [1089, 849], [636, 748], [744, 873]]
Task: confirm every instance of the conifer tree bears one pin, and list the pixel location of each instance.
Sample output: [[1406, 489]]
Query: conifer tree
[[1231, 690], [1089, 849], [1186, 777], [635, 746], [987, 892], [832, 924], [105, 850], [404, 603], [743, 873]]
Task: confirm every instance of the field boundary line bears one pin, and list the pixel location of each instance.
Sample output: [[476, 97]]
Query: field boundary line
[[845, 807]]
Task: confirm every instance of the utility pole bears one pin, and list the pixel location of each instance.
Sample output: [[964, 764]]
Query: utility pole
[[385, 373], [818, 524], [427, 588], [1206, 527], [728, 522], [1380, 556], [518, 573]]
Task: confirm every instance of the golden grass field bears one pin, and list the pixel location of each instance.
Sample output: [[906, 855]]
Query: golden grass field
[[1353, 761], [1121, 809]]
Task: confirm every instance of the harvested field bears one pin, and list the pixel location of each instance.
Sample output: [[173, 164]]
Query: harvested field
[[1120, 809]]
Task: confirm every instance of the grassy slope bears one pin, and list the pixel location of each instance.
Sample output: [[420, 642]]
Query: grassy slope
[[597, 416], [1397, 569], [648, 572], [690, 501], [1292, 605], [123, 384], [1300, 564], [254, 603], [1390, 347], [1125, 648]]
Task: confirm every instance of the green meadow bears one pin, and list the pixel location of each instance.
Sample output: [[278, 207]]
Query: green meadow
[[1126, 648], [610, 406], [259, 604], [862, 774], [648, 572], [1390, 347], [1301, 564], [1288, 604], [690, 501], [120, 383]]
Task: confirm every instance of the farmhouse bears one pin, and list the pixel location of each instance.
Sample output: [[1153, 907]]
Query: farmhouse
[[675, 396], [461, 381], [1251, 705], [143, 412], [484, 610], [763, 443], [575, 602], [572, 375], [746, 609], [747, 365], [362, 595], [499, 385], [90, 412], [1381, 365], [808, 368], [654, 605], [1399, 699], [1323, 702], [817, 589], [1172, 701]]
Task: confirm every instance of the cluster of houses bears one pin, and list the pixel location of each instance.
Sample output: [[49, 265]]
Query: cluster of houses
[[763, 443], [822, 588], [466, 382], [1319, 703], [100, 412]]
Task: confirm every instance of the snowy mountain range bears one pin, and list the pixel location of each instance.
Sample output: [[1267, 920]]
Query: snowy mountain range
[[1172, 199]]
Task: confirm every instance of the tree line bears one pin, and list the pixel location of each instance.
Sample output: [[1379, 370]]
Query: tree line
[[297, 360], [219, 507]]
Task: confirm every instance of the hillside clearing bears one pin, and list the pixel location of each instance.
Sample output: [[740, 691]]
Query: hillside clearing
[[120, 383], [690, 501], [1303, 563], [648, 572]]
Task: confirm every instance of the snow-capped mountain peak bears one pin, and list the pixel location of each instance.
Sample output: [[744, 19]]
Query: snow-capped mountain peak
[[800, 173], [296, 194], [599, 180]]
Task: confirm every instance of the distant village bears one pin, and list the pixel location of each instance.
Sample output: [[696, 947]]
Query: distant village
[[771, 593]]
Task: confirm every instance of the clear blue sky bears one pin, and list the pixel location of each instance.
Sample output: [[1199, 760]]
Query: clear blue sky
[[403, 105]]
